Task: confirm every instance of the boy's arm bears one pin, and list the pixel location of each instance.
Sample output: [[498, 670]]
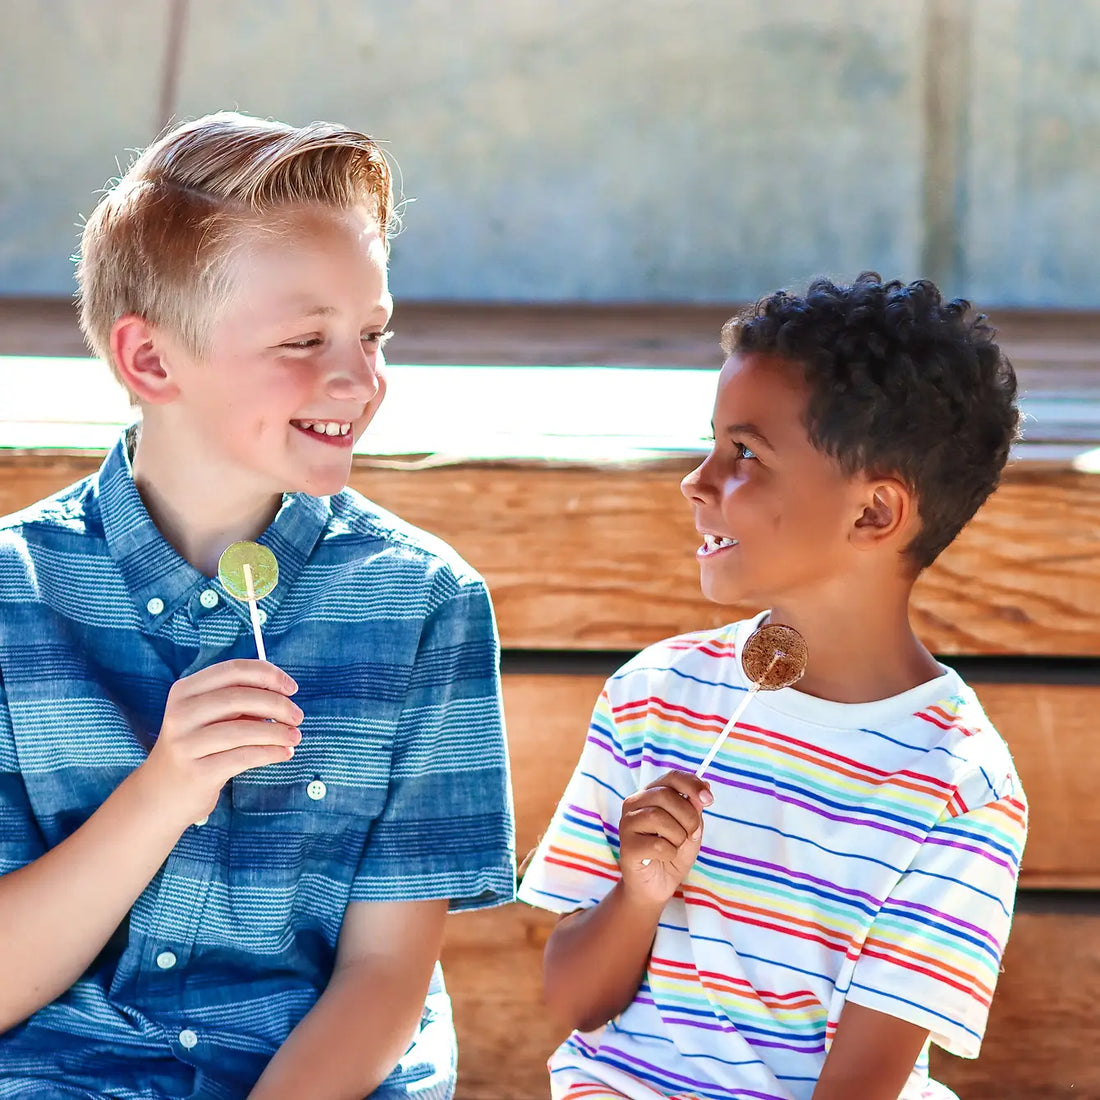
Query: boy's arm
[[369, 1014], [59, 910], [595, 960], [871, 1057]]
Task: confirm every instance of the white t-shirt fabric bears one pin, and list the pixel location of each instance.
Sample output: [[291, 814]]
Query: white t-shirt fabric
[[854, 852]]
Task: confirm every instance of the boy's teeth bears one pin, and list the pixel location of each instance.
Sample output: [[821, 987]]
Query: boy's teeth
[[333, 427], [716, 542]]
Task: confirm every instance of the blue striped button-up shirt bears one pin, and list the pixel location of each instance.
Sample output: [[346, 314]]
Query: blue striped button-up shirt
[[398, 790]]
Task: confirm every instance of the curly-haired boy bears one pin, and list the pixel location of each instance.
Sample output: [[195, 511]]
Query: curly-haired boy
[[838, 892]]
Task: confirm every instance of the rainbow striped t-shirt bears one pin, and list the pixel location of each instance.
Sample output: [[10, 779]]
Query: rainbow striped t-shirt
[[863, 852]]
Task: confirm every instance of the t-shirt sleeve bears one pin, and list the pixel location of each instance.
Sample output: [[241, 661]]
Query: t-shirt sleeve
[[21, 841], [577, 860], [446, 830], [933, 953]]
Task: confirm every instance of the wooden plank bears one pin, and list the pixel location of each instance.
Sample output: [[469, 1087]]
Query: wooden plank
[[1047, 347], [1043, 1034], [1051, 729], [604, 558]]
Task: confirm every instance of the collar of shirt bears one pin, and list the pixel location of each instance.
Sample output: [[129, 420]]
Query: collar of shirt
[[158, 579]]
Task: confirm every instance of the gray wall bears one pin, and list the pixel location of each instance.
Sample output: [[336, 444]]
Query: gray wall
[[608, 149]]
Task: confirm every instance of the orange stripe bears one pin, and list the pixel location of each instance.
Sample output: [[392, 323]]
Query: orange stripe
[[834, 942], [575, 856], [885, 950], [719, 983], [967, 989]]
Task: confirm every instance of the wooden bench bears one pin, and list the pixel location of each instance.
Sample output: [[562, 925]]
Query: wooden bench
[[589, 553]]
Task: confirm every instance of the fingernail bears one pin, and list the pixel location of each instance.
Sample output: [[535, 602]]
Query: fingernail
[[289, 751], [706, 797], [293, 684], [698, 833]]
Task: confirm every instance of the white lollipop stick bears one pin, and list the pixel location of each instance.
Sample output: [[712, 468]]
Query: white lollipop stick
[[253, 610], [720, 740]]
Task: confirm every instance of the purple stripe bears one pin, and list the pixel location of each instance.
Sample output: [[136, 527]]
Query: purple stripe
[[787, 872], [610, 748], [810, 808], [597, 822], [663, 1076], [669, 1017], [971, 848], [898, 903]]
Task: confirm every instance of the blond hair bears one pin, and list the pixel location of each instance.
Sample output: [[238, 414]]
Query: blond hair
[[159, 242]]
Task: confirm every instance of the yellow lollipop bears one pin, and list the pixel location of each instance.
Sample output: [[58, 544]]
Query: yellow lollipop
[[248, 572]]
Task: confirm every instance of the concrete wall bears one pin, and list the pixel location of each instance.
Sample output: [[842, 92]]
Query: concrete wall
[[608, 149]]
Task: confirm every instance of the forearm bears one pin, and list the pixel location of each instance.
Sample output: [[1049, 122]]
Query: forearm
[[59, 911], [595, 960], [352, 1038]]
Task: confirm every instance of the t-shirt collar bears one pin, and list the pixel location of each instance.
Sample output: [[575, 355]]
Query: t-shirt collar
[[878, 714]]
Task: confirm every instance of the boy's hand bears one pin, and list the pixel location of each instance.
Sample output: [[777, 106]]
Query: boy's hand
[[220, 722], [660, 832]]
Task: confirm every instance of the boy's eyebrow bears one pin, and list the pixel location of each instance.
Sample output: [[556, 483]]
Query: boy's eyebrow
[[318, 310], [749, 429]]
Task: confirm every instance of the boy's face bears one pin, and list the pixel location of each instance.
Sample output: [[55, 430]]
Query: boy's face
[[775, 512], [293, 374]]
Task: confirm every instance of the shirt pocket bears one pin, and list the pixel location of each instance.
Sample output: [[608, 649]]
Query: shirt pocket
[[304, 805], [292, 860]]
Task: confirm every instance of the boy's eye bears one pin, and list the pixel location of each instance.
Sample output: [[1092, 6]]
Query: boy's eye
[[740, 451], [378, 339], [301, 345]]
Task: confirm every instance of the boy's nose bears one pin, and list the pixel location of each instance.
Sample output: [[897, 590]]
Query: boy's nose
[[693, 485], [356, 377]]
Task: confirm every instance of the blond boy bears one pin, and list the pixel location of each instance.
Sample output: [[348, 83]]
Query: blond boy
[[219, 876]]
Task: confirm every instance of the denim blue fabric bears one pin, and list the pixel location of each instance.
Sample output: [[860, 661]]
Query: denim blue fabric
[[398, 790]]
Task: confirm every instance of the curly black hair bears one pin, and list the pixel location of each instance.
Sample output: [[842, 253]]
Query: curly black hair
[[901, 383]]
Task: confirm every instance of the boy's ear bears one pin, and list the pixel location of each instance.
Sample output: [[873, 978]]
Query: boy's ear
[[139, 357], [887, 509]]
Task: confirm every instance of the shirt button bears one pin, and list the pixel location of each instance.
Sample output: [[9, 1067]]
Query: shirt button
[[316, 790], [188, 1038], [208, 598], [202, 821], [155, 606], [166, 960], [262, 614]]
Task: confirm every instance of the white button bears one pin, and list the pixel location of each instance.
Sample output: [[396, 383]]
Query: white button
[[316, 790], [202, 821], [166, 960], [155, 606], [188, 1038], [262, 616], [208, 598]]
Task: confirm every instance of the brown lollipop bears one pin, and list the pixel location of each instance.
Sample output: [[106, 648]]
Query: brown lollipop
[[774, 657]]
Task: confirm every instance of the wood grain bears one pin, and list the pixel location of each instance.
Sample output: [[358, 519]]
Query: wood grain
[[1041, 1044], [584, 558], [1050, 728]]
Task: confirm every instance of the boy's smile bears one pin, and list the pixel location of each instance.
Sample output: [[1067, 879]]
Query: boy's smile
[[772, 510]]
